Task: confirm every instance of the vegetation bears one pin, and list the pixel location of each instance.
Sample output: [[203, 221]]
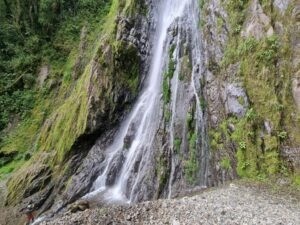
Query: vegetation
[[268, 89], [48, 35], [32, 33], [225, 163], [191, 162], [60, 113], [162, 171], [191, 165], [177, 145], [168, 75]]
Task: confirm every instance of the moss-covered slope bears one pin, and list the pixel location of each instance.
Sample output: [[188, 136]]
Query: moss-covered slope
[[256, 49], [99, 81]]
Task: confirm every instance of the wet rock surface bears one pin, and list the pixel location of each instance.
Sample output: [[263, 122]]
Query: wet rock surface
[[232, 204]]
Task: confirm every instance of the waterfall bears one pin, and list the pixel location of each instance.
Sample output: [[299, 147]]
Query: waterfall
[[129, 159]]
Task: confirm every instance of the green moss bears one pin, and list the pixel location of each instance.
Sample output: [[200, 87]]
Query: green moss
[[201, 4], [190, 121], [10, 167], [68, 122], [226, 163], [216, 140], [23, 178], [266, 70], [177, 145], [256, 156], [162, 172], [220, 23], [296, 180], [236, 14], [171, 65], [282, 135], [185, 68], [60, 115], [168, 75], [126, 65], [203, 103], [166, 89], [167, 114], [191, 165]]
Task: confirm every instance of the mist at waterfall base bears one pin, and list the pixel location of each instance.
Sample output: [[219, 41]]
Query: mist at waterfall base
[[134, 144]]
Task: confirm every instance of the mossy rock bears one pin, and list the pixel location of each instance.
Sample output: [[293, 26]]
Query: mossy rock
[[30, 179]]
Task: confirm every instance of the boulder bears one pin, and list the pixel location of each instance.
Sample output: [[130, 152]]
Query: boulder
[[282, 5], [258, 24], [78, 206], [235, 99]]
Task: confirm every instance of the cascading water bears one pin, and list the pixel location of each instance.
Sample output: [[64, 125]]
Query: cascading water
[[128, 160]]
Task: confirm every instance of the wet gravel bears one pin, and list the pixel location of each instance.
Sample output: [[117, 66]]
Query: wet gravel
[[232, 205]]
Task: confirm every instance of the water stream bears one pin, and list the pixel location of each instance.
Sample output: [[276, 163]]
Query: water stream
[[127, 159]]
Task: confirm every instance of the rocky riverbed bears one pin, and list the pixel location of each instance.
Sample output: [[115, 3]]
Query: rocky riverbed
[[231, 204]]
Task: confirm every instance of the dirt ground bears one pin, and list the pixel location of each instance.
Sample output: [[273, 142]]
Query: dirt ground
[[9, 215]]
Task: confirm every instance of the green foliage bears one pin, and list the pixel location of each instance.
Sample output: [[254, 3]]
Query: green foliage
[[203, 103], [242, 145], [171, 65], [127, 62], [166, 89], [225, 163], [190, 120], [296, 180], [24, 47], [162, 171], [248, 46], [177, 144], [282, 135], [60, 112], [167, 114], [168, 76], [191, 165], [269, 50], [267, 6], [201, 4], [19, 102], [256, 156], [216, 142], [265, 68], [220, 24], [10, 167], [32, 32], [236, 10]]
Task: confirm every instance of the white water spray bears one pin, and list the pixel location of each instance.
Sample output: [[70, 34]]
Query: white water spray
[[143, 120]]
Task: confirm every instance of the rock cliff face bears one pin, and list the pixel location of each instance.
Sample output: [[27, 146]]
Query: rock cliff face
[[251, 53], [229, 104], [101, 96]]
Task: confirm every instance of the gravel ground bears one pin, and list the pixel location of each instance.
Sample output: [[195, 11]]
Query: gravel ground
[[233, 204]]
